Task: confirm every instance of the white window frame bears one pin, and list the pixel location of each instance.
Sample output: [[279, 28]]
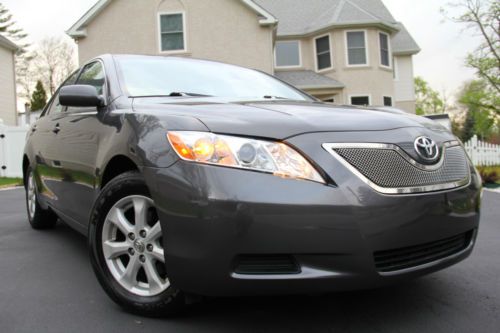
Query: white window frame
[[392, 101], [184, 32], [360, 95], [316, 65], [300, 54], [380, 50], [367, 52], [395, 68]]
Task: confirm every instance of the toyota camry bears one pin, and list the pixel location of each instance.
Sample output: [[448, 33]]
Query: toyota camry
[[195, 178]]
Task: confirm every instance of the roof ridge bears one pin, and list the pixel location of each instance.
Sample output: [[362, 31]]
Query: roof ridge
[[338, 10], [363, 10], [334, 17]]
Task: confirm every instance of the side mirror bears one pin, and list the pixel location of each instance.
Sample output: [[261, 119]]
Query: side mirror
[[80, 96]]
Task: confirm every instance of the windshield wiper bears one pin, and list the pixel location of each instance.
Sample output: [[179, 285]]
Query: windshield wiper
[[181, 93], [274, 97], [173, 94]]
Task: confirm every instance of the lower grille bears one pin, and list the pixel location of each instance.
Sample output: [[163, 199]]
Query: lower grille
[[266, 264], [407, 257]]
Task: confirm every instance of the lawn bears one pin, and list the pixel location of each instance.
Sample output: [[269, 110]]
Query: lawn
[[8, 182]]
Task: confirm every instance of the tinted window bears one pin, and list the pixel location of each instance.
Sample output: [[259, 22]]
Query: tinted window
[[160, 76], [360, 100], [287, 53], [93, 75], [323, 56], [172, 32], [356, 48]]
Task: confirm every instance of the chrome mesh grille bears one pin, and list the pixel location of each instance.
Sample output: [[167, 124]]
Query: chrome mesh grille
[[389, 169]]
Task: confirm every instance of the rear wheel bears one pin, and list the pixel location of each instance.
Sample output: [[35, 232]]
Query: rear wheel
[[38, 217], [126, 247]]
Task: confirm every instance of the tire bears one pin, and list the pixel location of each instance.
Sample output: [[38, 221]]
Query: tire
[[126, 255], [38, 217]]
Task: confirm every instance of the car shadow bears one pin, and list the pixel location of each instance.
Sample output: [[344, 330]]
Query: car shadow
[[387, 308]]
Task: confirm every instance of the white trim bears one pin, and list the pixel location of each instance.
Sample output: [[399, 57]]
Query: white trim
[[300, 54], [78, 30], [389, 49], [315, 50], [387, 96], [349, 102], [395, 68], [184, 32], [268, 18], [367, 53]]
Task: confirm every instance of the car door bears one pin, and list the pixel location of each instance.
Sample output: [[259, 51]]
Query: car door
[[42, 138], [79, 134]]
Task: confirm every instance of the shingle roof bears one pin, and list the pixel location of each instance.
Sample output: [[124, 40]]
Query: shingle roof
[[8, 44], [308, 80], [403, 42], [299, 17]]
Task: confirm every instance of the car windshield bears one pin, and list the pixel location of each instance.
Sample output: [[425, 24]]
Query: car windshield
[[173, 77]]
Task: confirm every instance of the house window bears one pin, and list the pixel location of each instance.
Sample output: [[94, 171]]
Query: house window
[[360, 100], [387, 101], [288, 54], [384, 49], [356, 48], [172, 32], [323, 54]]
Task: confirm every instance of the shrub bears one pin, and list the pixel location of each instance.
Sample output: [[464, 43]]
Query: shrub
[[489, 174]]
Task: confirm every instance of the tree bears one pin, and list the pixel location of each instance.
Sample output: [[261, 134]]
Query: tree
[[483, 18], [55, 60], [24, 57], [477, 100], [428, 101], [39, 98]]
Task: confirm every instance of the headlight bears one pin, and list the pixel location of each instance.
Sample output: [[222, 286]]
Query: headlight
[[231, 151]]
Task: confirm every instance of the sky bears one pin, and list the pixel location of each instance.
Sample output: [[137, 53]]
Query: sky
[[444, 44]]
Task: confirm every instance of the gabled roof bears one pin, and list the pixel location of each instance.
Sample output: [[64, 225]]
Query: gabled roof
[[4, 42], [78, 29], [305, 79], [403, 43]]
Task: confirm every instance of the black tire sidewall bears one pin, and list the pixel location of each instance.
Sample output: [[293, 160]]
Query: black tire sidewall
[[170, 300]]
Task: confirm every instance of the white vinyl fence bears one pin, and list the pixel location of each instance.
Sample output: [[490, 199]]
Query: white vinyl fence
[[483, 153], [11, 150]]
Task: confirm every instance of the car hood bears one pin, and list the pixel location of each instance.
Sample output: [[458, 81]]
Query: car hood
[[278, 119]]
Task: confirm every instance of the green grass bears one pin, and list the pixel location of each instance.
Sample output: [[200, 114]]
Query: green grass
[[8, 182]]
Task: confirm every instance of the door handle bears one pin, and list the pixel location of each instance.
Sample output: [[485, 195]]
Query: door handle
[[56, 129]]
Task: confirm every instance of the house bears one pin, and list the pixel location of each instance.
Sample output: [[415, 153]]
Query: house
[[8, 112], [341, 51]]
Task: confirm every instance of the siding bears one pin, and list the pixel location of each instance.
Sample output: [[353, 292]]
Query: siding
[[7, 87], [405, 89], [222, 30]]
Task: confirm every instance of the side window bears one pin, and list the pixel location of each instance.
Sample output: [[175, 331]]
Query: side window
[[93, 75]]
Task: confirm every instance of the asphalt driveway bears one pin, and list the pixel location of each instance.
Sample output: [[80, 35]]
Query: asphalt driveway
[[47, 284]]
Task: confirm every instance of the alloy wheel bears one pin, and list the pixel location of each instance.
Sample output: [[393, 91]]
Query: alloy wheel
[[132, 246], [31, 196]]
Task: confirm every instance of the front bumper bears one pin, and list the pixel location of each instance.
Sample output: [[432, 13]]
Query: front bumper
[[213, 215]]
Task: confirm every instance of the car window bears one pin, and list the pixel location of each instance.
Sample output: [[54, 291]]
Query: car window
[[93, 75], [55, 107]]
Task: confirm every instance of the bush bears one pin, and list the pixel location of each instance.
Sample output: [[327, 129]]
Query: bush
[[489, 174]]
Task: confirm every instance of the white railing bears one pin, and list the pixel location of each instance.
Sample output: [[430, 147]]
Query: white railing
[[11, 150], [483, 153]]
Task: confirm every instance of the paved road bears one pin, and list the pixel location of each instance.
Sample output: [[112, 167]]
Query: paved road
[[46, 284]]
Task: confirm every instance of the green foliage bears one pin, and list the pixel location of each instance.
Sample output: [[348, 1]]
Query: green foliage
[[39, 97], [8, 182], [489, 174], [480, 103], [428, 100], [483, 18]]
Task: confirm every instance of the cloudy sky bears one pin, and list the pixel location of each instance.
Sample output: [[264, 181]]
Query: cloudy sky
[[444, 44]]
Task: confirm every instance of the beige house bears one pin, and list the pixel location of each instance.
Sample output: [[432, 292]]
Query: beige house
[[342, 51], [8, 113]]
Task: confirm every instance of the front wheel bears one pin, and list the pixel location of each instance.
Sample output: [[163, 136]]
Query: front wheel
[[126, 249]]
